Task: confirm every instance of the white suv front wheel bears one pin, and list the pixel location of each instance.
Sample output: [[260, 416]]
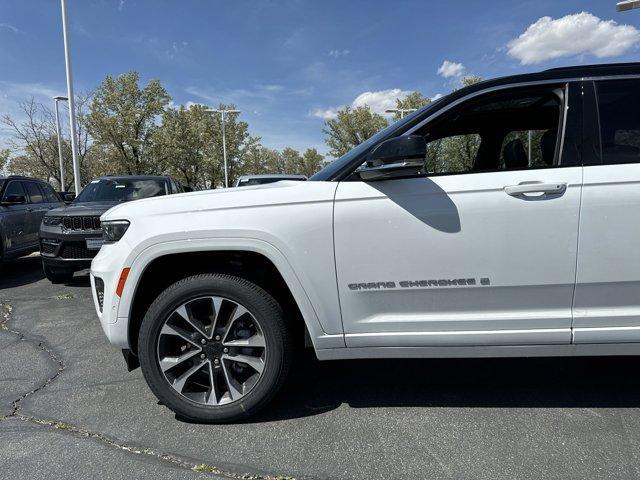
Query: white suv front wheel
[[214, 348]]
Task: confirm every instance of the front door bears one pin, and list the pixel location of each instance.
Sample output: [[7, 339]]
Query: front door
[[481, 249]]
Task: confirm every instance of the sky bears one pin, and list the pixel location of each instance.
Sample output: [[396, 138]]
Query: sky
[[289, 65]]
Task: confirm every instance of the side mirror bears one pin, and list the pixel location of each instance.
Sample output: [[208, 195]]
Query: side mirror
[[187, 188], [395, 157], [69, 197], [14, 200]]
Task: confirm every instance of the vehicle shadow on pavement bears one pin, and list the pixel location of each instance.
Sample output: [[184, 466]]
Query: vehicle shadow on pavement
[[21, 271], [28, 270], [588, 382]]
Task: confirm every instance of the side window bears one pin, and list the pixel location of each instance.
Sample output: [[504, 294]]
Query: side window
[[14, 188], [512, 130], [35, 194], [454, 154], [49, 193], [539, 146], [618, 106]]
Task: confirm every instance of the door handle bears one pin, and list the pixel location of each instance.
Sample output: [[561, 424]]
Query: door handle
[[535, 188]]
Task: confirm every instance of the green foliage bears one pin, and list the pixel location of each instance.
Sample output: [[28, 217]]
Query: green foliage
[[182, 143], [413, 101], [239, 144], [350, 128], [471, 80], [4, 158], [452, 154], [122, 119], [312, 162]]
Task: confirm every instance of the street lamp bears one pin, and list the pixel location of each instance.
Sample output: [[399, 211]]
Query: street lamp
[[223, 114], [627, 5], [72, 108], [401, 111], [57, 99]]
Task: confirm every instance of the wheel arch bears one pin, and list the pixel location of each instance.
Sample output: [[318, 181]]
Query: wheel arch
[[257, 261]]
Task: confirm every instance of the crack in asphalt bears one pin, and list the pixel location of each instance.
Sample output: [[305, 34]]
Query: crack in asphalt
[[200, 468]]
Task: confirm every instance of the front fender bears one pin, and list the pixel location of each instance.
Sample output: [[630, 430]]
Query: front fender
[[319, 335]]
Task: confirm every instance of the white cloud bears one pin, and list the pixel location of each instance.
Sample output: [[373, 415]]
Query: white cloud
[[381, 100], [327, 114], [451, 69], [271, 87], [338, 53], [578, 34], [378, 102], [10, 27]]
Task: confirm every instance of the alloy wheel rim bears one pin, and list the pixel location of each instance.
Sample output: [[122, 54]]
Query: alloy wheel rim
[[211, 350]]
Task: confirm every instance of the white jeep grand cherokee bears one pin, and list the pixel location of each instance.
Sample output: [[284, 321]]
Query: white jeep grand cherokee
[[501, 220]]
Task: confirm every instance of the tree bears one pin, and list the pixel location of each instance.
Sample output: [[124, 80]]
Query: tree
[[471, 80], [34, 144], [239, 144], [5, 153], [260, 160], [291, 161], [312, 162], [122, 119], [413, 101], [350, 128], [182, 142]]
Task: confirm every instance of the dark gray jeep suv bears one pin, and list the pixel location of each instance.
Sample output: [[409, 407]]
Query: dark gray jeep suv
[[71, 236], [23, 203]]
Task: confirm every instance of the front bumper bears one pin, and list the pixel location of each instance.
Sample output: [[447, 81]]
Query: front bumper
[[106, 268], [67, 249]]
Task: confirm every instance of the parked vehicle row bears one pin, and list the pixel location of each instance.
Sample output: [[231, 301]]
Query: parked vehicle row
[[66, 229], [71, 236], [497, 221]]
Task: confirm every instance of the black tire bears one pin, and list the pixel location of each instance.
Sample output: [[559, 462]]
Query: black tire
[[57, 275], [264, 309]]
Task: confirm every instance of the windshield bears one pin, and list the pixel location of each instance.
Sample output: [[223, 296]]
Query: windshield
[[338, 164], [122, 190]]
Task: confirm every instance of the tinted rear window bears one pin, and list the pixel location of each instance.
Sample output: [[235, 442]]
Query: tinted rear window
[[618, 105]]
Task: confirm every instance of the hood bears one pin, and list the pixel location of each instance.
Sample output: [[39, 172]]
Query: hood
[[284, 192], [80, 209]]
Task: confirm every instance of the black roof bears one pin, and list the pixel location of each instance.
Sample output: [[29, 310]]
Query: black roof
[[21, 177], [561, 73]]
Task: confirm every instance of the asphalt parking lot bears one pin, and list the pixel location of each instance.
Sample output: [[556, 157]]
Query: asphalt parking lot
[[69, 409]]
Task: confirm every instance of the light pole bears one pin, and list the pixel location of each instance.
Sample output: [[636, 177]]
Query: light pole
[[627, 5], [223, 114], [401, 111], [58, 99], [72, 108]]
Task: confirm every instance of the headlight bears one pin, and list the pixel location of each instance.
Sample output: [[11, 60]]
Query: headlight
[[51, 220], [113, 230]]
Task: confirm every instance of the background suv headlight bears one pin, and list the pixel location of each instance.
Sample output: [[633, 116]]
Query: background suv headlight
[[113, 230], [51, 220]]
